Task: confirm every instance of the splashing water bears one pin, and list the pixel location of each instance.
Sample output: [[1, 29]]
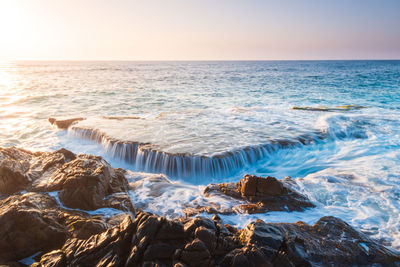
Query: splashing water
[[203, 122]]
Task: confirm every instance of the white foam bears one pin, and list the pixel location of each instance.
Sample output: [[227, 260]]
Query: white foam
[[106, 212]]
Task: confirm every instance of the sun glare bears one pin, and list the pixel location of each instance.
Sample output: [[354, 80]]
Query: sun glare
[[11, 26]]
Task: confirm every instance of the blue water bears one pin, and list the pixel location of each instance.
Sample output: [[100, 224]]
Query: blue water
[[192, 114]]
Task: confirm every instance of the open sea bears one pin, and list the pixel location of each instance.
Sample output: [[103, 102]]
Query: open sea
[[333, 126]]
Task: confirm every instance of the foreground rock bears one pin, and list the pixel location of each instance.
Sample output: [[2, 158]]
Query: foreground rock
[[150, 240], [262, 194], [83, 181], [34, 222]]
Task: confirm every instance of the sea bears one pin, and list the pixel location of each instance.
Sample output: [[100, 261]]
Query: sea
[[333, 126]]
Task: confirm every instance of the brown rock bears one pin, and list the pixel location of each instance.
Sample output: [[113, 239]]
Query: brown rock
[[269, 186], [21, 169], [138, 243], [86, 182], [196, 254], [264, 194], [29, 223], [86, 227], [248, 185], [247, 256], [161, 251], [208, 237], [33, 222], [330, 241], [64, 124], [14, 164]]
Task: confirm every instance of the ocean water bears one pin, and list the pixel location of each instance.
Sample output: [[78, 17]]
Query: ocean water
[[178, 126]]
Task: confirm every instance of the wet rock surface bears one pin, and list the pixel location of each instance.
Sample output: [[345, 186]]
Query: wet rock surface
[[34, 222], [150, 240], [56, 228], [82, 181], [262, 194]]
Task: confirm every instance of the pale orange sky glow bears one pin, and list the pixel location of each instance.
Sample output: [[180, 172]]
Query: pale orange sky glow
[[198, 30]]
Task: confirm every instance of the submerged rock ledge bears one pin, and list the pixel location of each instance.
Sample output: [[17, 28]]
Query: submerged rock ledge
[[148, 157], [59, 230]]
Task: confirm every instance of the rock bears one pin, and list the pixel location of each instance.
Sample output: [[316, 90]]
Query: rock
[[323, 108], [29, 224], [64, 124], [329, 242], [257, 187], [248, 185], [149, 240], [262, 234], [85, 182], [264, 194], [120, 118], [196, 254], [192, 225], [21, 169], [247, 256], [86, 227], [33, 222], [160, 251], [53, 258], [207, 236], [229, 189], [14, 164]]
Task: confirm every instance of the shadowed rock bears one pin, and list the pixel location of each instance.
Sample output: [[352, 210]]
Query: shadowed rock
[[34, 222], [150, 240]]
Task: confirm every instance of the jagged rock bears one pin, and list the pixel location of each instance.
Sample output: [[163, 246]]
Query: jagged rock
[[264, 194], [247, 256], [64, 124], [29, 224], [151, 240], [207, 236], [195, 253], [256, 188], [14, 164], [328, 242], [33, 222], [83, 181]]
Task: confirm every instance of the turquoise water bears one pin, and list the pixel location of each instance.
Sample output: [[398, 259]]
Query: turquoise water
[[192, 114]]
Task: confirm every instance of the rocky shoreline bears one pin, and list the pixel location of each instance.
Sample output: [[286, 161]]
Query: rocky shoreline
[[46, 199]]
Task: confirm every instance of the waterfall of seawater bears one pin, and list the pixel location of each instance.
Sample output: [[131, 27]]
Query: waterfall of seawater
[[144, 157]]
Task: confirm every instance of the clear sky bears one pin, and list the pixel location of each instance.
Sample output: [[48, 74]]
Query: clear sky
[[199, 30]]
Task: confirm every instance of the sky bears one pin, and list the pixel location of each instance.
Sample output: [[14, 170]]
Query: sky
[[199, 30]]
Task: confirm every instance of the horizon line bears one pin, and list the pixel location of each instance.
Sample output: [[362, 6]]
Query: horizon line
[[195, 60]]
